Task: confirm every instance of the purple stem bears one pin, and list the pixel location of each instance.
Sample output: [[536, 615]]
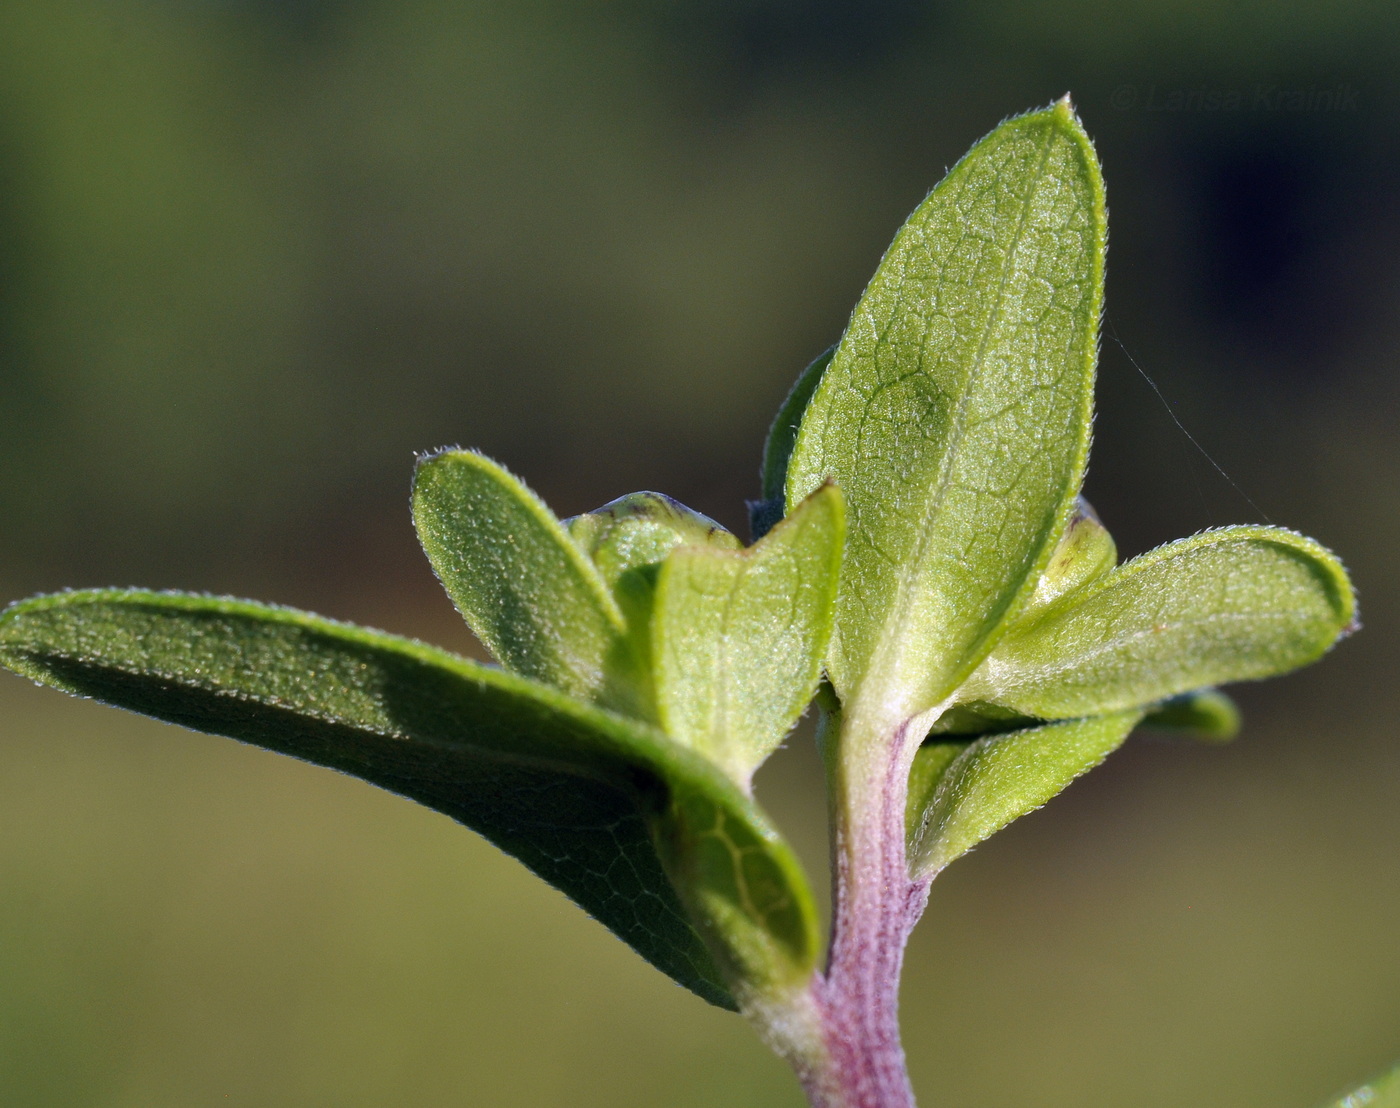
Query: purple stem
[[877, 905]]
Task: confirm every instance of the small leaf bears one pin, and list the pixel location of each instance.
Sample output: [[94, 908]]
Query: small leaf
[[997, 779], [931, 762], [955, 413], [602, 807], [738, 637], [1383, 1092], [528, 592], [1227, 605], [979, 718], [1206, 714], [777, 449], [1085, 552], [627, 539], [640, 529]]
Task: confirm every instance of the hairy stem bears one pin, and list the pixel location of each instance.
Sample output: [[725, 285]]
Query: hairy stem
[[851, 1056]]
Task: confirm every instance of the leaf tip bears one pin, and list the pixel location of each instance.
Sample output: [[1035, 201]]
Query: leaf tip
[[426, 457]]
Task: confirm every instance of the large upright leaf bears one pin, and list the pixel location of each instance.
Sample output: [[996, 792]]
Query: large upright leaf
[[955, 413], [511, 569], [1226, 605], [644, 835], [738, 636]]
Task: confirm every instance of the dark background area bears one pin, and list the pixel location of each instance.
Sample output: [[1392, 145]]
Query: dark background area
[[254, 255]]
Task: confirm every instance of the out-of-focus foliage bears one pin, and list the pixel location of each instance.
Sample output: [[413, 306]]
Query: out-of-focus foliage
[[255, 255]]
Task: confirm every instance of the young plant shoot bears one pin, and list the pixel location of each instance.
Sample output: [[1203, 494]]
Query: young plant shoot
[[923, 566]]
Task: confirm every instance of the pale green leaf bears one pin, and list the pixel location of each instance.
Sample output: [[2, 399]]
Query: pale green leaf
[[963, 800], [1383, 1092], [600, 806], [777, 448], [1085, 552], [530, 594], [639, 530], [627, 539], [738, 636], [1227, 605], [955, 413]]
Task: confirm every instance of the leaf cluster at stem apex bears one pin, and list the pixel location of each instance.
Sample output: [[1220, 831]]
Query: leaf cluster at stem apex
[[922, 557], [985, 636]]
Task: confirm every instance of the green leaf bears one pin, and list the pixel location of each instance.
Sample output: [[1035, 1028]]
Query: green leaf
[[738, 636], [639, 530], [1227, 605], [633, 827], [777, 449], [957, 802], [1085, 552], [529, 593], [955, 413], [1383, 1092], [627, 539], [1206, 714], [931, 763]]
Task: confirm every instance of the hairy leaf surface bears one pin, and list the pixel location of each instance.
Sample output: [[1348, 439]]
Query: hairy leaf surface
[[738, 636], [957, 802], [528, 591], [1227, 605], [955, 413], [596, 804]]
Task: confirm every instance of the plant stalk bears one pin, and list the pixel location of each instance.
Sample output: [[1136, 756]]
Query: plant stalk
[[853, 1057]]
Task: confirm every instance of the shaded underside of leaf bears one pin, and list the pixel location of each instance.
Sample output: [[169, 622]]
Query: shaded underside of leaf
[[959, 798], [738, 637], [1206, 714], [525, 588], [579, 795], [1234, 604], [955, 413]]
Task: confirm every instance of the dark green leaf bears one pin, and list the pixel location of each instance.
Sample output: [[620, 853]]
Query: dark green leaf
[[955, 413], [777, 449], [1206, 714], [598, 805]]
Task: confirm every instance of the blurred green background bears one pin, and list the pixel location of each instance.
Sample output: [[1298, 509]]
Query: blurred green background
[[255, 253]]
